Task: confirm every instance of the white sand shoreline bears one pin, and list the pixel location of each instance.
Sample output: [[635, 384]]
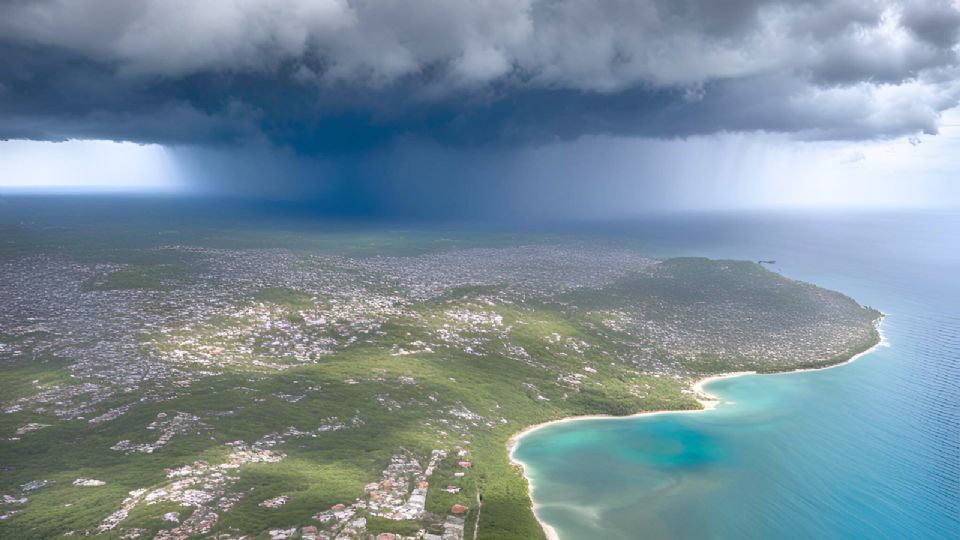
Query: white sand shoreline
[[708, 400]]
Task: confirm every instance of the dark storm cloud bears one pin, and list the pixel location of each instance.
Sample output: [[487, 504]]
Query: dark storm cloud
[[934, 21], [50, 93], [344, 76]]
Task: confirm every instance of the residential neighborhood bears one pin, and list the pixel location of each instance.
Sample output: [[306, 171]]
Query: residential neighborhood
[[212, 382]]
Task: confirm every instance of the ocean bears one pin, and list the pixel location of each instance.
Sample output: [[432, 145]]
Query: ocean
[[870, 449]]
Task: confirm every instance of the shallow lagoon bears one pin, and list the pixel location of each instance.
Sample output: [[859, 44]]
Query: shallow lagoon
[[869, 449]]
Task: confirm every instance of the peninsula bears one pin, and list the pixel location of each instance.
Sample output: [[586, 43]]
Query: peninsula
[[350, 386]]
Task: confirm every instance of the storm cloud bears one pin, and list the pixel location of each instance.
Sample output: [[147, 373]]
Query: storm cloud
[[340, 76]]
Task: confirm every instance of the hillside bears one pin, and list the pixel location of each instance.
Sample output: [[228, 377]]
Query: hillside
[[251, 386]]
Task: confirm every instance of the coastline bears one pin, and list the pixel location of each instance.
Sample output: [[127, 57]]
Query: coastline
[[706, 399]]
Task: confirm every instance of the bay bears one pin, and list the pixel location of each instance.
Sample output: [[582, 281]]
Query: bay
[[869, 449]]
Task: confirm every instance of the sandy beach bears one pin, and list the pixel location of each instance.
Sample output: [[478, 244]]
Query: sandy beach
[[706, 399]]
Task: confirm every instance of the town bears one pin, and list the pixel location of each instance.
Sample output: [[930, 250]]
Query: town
[[281, 393]]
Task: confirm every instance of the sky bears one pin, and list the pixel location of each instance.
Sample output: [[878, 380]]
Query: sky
[[487, 108]]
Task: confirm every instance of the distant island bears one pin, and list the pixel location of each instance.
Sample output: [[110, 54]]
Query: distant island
[[342, 385]]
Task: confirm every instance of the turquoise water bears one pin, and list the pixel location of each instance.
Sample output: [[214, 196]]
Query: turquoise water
[[870, 449]]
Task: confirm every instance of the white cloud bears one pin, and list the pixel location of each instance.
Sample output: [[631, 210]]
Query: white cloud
[[583, 45]]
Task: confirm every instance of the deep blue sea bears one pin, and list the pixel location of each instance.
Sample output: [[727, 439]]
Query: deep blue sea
[[869, 449]]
